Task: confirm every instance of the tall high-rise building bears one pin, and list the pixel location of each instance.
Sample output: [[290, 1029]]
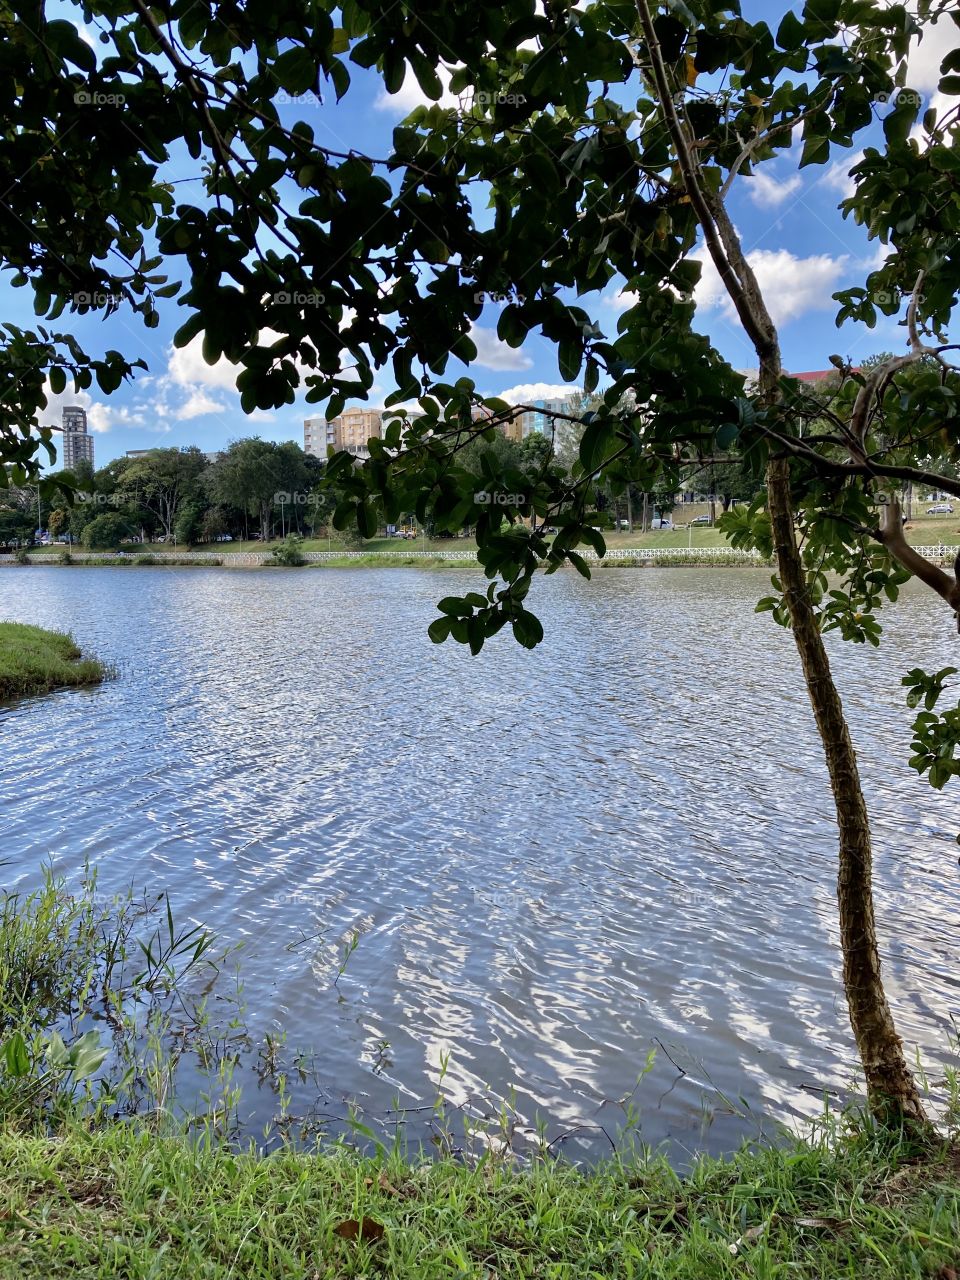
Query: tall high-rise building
[[77, 442]]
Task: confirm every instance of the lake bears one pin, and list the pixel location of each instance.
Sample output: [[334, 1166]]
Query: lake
[[552, 861]]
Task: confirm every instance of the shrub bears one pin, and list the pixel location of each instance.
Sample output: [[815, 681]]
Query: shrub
[[105, 533], [289, 552]]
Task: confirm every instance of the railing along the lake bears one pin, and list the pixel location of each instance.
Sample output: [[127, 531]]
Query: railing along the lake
[[672, 556]]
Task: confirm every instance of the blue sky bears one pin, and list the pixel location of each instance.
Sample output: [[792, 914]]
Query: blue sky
[[801, 248]]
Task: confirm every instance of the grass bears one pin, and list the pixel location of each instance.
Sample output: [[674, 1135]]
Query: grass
[[126, 1203], [33, 661], [98, 1179]]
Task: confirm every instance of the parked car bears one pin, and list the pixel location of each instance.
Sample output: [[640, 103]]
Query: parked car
[[940, 509], [662, 523], [624, 524], [700, 520], [224, 537]]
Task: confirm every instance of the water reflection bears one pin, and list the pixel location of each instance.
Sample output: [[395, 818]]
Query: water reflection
[[552, 860]]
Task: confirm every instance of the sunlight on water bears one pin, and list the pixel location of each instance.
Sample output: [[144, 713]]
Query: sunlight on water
[[553, 860]]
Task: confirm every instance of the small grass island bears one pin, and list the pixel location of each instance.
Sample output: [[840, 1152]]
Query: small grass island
[[33, 660]]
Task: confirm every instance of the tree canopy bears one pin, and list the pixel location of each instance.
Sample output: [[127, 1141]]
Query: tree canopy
[[590, 144]]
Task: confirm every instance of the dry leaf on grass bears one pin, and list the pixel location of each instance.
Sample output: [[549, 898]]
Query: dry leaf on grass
[[365, 1229]]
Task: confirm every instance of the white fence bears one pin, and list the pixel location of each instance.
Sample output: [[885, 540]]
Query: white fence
[[642, 555]]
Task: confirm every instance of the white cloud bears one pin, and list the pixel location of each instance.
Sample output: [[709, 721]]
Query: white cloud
[[101, 417], [197, 403], [410, 96], [524, 392], [941, 104], [622, 300], [836, 176], [104, 417], [791, 285], [926, 54], [769, 192], [494, 354], [187, 368], [52, 416]]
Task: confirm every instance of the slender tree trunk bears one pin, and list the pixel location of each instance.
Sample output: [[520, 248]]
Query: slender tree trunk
[[891, 1090], [629, 509], [645, 518]]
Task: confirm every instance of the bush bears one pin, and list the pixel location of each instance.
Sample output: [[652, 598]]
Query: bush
[[65, 557], [20, 555], [289, 552], [105, 533]]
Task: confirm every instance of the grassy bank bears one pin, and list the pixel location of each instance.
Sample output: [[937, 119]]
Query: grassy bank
[[127, 1204], [36, 661], [86, 1194]]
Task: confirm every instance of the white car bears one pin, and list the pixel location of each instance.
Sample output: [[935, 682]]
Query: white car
[[940, 509]]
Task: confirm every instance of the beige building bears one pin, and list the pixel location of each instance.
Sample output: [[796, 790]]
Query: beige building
[[350, 431]]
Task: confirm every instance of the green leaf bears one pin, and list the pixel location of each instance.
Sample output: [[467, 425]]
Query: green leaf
[[456, 607], [439, 629], [15, 1055], [295, 70], [595, 444], [570, 358], [816, 150], [790, 34], [86, 1055], [579, 564], [527, 629], [727, 434]]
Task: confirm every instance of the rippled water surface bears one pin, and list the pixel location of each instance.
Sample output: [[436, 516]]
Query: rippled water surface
[[554, 860]]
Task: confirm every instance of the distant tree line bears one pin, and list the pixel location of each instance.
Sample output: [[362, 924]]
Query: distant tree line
[[258, 489]]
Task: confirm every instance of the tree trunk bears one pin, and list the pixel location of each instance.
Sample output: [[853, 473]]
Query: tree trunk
[[629, 510], [891, 1090], [645, 518]]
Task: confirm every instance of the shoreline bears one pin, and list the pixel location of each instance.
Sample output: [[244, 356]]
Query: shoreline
[[34, 661], [615, 558], [640, 558]]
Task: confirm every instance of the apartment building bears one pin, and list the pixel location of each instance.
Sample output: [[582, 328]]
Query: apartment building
[[77, 442], [350, 430]]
